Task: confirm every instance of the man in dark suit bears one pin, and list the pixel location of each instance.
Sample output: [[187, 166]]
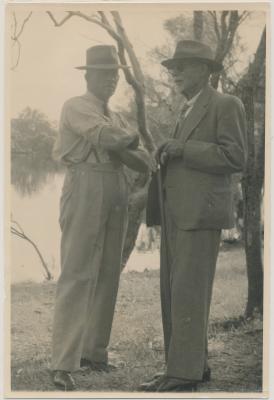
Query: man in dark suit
[[208, 145]]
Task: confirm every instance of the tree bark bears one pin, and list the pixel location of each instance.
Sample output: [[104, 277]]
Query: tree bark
[[252, 186], [252, 217], [136, 208]]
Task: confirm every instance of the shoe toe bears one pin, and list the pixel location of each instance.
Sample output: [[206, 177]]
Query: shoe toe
[[64, 381]]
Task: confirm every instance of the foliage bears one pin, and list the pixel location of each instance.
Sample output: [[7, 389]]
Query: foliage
[[32, 141], [32, 132], [29, 173]]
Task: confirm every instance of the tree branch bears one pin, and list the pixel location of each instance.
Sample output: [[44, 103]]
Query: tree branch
[[80, 14], [16, 35], [243, 17], [17, 230], [215, 22], [104, 18], [138, 82], [23, 24], [133, 59], [60, 23], [223, 23]]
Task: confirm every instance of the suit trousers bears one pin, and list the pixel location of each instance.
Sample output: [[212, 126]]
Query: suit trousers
[[93, 220], [188, 262]]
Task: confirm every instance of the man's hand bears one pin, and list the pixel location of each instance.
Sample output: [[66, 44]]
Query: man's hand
[[168, 150], [152, 164], [135, 142]]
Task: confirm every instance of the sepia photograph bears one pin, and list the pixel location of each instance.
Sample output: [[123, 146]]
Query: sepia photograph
[[137, 151]]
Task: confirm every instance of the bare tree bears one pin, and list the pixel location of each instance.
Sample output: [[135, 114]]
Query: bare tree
[[198, 24], [251, 88], [17, 31], [225, 26], [17, 230]]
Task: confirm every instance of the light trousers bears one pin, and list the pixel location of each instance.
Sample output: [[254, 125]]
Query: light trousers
[[93, 220]]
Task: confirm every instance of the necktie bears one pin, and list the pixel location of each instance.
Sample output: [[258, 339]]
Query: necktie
[[180, 120]]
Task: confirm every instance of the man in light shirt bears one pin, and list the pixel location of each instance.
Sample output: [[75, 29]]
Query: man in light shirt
[[94, 144]]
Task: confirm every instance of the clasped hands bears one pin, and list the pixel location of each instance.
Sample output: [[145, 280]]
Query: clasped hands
[[170, 149]]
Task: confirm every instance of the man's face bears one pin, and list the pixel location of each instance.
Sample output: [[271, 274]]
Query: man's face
[[102, 83], [189, 76]]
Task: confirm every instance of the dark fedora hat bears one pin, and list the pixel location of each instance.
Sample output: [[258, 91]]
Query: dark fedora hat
[[102, 57], [192, 50]]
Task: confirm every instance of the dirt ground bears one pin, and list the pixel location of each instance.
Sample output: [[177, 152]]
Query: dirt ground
[[235, 345]]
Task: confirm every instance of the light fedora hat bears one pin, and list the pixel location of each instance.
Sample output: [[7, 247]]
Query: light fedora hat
[[192, 50], [102, 57]]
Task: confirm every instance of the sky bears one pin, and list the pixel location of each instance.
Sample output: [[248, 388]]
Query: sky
[[45, 77]]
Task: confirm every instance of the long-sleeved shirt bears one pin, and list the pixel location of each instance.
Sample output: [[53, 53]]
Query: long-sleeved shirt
[[81, 123]]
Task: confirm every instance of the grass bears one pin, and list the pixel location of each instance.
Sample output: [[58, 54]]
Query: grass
[[136, 343]]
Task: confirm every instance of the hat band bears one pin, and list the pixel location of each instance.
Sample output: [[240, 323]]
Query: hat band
[[172, 61]]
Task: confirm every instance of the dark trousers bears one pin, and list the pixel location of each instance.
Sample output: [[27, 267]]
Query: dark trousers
[[188, 262]]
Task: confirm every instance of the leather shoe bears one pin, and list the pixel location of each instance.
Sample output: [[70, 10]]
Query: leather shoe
[[153, 384], [206, 375], [177, 385], [97, 366], [63, 380]]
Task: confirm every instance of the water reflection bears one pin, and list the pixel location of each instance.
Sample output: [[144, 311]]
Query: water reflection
[[30, 173], [36, 189]]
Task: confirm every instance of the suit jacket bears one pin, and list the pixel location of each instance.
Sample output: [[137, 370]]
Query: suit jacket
[[198, 185]]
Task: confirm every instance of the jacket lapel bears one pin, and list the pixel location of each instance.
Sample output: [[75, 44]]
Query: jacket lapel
[[196, 114]]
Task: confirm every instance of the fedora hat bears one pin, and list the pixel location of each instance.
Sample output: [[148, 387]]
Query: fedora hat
[[102, 57], [192, 50]]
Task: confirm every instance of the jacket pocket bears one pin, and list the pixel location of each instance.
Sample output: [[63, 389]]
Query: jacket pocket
[[219, 207]]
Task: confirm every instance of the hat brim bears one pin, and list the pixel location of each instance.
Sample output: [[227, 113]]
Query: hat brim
[[103, 66], [173, 62]]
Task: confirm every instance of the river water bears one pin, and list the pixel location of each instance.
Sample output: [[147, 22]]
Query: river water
[[35, 193]]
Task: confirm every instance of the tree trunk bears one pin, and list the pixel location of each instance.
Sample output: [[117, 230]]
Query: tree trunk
[[252, 217], [198, 25], [135, 213], [252, 86]]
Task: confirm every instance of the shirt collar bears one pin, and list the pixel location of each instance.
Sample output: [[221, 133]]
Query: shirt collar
[[92, 98], [193, 99]]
